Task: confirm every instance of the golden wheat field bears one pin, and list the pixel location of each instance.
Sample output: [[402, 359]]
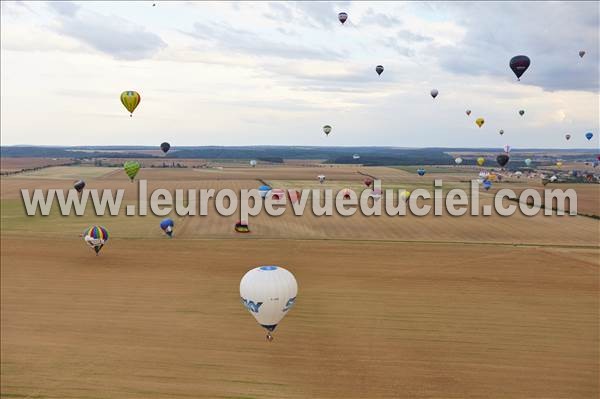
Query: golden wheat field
[[388, 307]]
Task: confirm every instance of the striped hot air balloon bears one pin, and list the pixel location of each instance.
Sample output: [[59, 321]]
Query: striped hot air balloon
[[131, 169], [130, 100], [96, 237]]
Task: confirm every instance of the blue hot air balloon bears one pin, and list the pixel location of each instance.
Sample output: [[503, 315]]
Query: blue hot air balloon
[[589, 135], [487, 184], [167, 226], [264, 190], [420, 171]]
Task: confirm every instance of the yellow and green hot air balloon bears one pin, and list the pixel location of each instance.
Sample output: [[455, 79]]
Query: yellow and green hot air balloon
[[130, 100], [131, 169], [480, 121], [480, 161]]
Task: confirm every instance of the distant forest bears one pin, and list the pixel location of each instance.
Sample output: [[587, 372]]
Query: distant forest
[[369, 156]]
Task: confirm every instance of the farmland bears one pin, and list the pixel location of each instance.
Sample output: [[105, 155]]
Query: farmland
[[405, 306]]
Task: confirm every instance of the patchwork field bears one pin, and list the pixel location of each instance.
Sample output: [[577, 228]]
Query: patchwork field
[[388, 307]]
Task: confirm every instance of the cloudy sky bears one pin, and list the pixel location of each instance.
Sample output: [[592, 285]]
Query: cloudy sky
[[275, 73]]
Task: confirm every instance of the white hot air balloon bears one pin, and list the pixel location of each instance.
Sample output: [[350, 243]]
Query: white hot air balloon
[[458, 161], [506, 148], [268, 292], [321, 178], [253, 163]]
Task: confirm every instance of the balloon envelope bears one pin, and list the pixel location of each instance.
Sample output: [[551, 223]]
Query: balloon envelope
[[342, 17], [480, 161], [528, 162], [458, 160], [589, 135], [130, 100], [501, 132], [468, 112], [253, 163], [506, 148], [268, 292], [421, 171], [581, 53], [264, 190], [379, 69], [519, 64], [487, 184], [79, 185], [434, 93], [131, 169], [166, 223], [568, 136], [165, 147], [480, 121], [327, 129], [522, 112], [96, 237], [502, 159]]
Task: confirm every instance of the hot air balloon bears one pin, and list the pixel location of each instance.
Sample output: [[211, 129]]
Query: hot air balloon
[[506, 148], [379, 69], [480, 161], [458, 161], [421, 172], [468, 112], [355, 156], [553, 179], [479, 121], [268, 292], [404, 195], [277, 194], [264, 190], [589, 135], [165, 147], [342, 17], [79, 185], [321, 178], [327, 129], [253, 163], [528, 162], [519, 65], [167, 226], [483, 176], [487, 185], [347, 193], [131, 169], [568, 136], [502, 159], [522, 112], [559, 164], [434, 93], [368, 182], [130, 99], [96, 237], [501, 132], [242, 227], [376, 194], [581, 53]]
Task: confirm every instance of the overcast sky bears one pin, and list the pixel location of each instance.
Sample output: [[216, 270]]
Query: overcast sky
[[275, 73]]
